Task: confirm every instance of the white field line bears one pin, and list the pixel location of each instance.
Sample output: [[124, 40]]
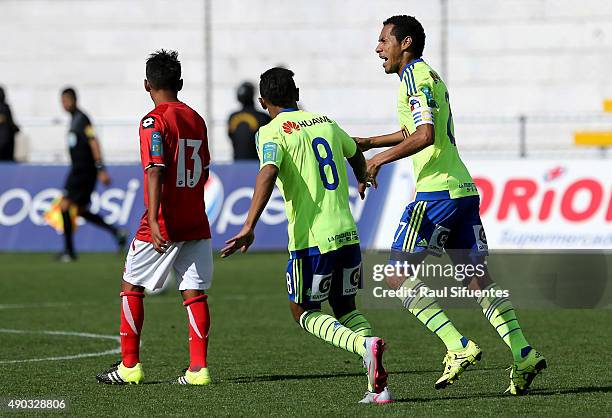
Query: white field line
[[63, 333], [149, 299]]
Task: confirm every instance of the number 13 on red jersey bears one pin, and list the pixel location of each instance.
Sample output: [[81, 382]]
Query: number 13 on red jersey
[[185, 176]]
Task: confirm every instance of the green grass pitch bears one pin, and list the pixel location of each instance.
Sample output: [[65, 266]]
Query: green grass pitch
[[262, 363]]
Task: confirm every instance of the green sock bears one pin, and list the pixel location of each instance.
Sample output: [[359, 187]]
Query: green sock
[[328, 328], [427, 310], [500, 313], [356, 322]]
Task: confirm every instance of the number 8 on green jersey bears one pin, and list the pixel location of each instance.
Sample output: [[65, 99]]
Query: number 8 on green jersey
[[309, 150]]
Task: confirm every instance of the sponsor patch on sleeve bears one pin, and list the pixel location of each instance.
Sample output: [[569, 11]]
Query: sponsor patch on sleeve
[[148, 122], [438, 240], [156, 144], [481, 238], [270, 151]]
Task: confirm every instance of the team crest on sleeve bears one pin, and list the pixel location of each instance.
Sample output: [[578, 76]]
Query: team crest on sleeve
[[414, 103], [270, 150], [156, 145], [290, 126], [148, 122]]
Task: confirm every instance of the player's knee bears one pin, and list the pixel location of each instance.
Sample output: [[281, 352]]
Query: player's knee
[[191, 293], [395, 282], [296, 311], [342, 305], [480, 279], [129, 287], [475, 271]]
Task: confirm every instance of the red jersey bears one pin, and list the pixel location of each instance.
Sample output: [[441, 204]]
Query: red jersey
[[174, 136]]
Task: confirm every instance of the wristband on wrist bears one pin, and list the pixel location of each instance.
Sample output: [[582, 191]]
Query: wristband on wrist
[[99, 165]]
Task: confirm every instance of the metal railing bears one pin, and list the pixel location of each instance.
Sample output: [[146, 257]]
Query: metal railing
[[521, 136]]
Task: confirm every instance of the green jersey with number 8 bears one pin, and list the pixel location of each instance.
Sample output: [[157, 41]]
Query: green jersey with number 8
[[423, 99], [309, 150]]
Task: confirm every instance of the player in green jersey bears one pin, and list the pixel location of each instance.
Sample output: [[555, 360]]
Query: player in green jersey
[[445, 214], [304, 154]]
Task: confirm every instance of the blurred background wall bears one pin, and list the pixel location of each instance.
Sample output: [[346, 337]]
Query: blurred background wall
[[546, 60]]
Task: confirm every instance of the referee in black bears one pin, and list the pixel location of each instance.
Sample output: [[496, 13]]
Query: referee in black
[[243, 124], [87, 167]]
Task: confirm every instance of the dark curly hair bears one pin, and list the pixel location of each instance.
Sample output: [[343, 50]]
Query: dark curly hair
[[404, 26], [277, 86], [164, 70]]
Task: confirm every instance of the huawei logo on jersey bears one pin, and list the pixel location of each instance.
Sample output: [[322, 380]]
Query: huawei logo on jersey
[[290, 126]]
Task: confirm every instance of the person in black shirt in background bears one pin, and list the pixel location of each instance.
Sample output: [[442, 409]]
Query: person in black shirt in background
[[243, 125], [87, 167], [8, 129]]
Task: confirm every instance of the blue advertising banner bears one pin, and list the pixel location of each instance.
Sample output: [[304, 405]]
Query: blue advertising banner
[[26, 192]]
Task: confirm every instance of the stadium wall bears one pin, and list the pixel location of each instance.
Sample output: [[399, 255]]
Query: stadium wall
[[531, 57]]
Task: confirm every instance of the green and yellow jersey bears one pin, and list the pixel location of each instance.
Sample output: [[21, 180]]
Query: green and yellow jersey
[[423, 99], [309, 150]]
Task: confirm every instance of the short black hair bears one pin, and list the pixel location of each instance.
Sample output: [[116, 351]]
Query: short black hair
[[277, 86], [164, 70], [404, 26], [70, 91], [245, 93]]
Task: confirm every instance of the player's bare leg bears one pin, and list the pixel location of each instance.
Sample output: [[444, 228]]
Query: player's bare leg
[[196, 304], [128, 370]]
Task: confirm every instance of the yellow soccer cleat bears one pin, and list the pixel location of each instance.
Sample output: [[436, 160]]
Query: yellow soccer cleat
[[523, 373], [455, 362], [118, 374], [201, 377]]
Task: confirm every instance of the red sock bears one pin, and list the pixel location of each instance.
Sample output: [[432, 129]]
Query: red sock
[[132, 317], [199, 324]]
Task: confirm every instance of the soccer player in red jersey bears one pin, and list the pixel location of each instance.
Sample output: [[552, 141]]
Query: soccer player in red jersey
[[174, 232]]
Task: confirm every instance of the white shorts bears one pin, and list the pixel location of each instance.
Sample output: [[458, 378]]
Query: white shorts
[[191, 260]]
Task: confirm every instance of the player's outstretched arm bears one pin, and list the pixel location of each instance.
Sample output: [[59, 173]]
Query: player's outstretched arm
[[358, 163], [381, 141], [264, 185], [423, 137]]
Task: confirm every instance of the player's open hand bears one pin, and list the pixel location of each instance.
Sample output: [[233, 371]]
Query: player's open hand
[[363, 143], [104, 177], [242, 241]]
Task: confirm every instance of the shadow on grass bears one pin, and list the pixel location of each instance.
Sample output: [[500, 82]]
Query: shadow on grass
[[535, 392], [273, 378]]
